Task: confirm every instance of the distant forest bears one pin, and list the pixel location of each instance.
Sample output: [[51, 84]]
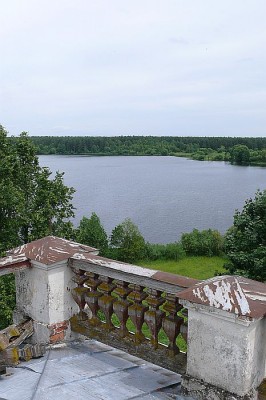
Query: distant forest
[[238, 150]]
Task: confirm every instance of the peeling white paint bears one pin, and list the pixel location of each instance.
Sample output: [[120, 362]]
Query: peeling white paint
[[17, 250], [256, 297], [9, 260], [58, 250], [221, 297], [79, 256], [224, 294], [242, 301]]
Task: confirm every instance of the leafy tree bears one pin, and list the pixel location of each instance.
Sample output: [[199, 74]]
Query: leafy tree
[[240, 154], [32, 204], [127, 242], [202, 243], [7, 299], [170, 251], [174, 251], [91, 232], [9, 195], [245, 241]]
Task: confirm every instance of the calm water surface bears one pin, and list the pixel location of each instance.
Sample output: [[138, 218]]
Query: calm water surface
[[164, 196]]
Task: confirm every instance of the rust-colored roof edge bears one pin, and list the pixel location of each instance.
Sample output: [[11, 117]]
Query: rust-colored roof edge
[[9, 268], [12, 260], [51, 249], [250, 301], [174, 279]]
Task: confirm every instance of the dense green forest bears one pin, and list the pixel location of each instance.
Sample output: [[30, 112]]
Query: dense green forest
[[237, 150]]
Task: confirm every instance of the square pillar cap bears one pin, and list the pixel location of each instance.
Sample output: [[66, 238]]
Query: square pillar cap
[[234, 294], [48, 251]]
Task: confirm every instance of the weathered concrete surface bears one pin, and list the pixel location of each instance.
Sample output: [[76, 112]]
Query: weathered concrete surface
[[44, 294], [91, 371], [226, 336], [203, 391], [225, 352]]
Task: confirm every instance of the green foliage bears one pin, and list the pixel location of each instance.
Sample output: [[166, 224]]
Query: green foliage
[[199, 156], [202, 243], [240, 154], [258, 157], [7, 299], [127, 242], [143, 145], [32, 204], [91, 232], [197, 148], [245, 241], [170, 251]]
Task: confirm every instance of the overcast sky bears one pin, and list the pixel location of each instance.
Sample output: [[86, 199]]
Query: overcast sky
[[142, 67]]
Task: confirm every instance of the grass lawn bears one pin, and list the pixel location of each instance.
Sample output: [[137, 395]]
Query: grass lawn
[[193, 267]]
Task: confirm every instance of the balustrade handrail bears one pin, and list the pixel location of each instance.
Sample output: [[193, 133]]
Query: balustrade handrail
[[164, 281]]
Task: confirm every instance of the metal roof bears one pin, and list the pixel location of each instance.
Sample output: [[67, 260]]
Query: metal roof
[[89, 370], [49, 250], [11, 263], [234, 294]]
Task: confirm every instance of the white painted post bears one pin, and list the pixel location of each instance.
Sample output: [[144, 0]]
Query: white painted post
[[43, 293], [226, 350], [44, 283]]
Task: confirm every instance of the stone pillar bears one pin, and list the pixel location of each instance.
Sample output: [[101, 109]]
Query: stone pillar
[[43, 293], [224, 354], [226, 339]]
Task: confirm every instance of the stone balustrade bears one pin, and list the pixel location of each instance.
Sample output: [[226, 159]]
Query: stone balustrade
[[132, 308]]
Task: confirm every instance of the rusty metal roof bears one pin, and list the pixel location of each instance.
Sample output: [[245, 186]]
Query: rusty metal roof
[[234, 294], [49, 250], [11, 263]]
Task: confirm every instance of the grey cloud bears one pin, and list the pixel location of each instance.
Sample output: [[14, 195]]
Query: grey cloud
[[133, 67]]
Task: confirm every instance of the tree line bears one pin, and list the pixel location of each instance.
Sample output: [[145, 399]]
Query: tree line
[[127, 244], [34, 205], [244, 244], [237, 150]]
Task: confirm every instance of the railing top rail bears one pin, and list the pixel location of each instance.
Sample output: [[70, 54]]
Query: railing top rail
[[151, 278]]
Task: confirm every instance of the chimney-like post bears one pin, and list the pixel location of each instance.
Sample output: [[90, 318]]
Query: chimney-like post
[[43, 290], [226, 338]]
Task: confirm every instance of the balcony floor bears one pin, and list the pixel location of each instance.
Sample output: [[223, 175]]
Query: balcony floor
[[89, 370]]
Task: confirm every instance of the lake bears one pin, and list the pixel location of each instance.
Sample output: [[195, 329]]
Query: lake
[[164, 196]]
